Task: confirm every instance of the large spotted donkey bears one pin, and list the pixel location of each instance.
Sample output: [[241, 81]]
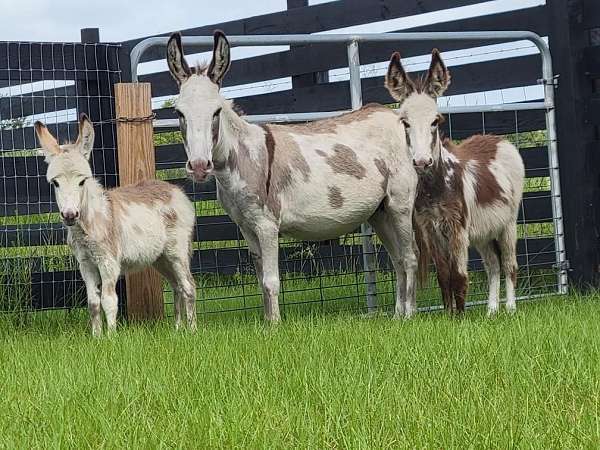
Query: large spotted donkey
[[468, 193], [310, 181], [119, 230]]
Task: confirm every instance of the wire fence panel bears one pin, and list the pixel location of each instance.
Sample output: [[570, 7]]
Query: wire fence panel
[[330, 276], [53, 83]]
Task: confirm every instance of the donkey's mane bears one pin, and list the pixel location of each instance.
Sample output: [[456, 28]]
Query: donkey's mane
[[420, 82], [200, 68]]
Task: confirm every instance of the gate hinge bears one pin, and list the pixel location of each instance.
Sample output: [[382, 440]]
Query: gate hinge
[[563, 265], [552, 82]]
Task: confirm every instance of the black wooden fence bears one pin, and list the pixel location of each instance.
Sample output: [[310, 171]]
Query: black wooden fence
[[91, 69]]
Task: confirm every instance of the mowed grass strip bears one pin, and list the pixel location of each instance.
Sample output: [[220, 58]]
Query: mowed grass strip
[[333, 381]]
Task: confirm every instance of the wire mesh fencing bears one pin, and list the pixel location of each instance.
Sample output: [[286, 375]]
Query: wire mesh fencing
[[54, 83]]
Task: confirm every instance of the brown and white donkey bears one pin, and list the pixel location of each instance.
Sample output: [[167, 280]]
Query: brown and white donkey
[[120, 230], [468, 193], [309, 181]]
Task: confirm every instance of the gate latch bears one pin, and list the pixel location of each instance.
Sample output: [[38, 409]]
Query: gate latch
[[552, 82]]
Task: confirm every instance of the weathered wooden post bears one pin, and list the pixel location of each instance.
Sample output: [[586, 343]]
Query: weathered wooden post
[[135, 145]]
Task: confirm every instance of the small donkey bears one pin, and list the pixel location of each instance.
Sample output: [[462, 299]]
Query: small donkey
[[468, 193], [119, 230]]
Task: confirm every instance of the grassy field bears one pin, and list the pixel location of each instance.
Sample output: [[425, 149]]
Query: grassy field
[[320, 381]]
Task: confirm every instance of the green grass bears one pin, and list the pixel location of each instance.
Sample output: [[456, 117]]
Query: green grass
[[336, 381]]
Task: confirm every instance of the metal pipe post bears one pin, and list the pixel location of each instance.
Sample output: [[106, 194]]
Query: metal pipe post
[[549, 82], [368, 249]]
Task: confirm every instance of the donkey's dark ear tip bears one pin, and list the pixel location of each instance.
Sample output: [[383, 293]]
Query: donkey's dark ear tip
[[83, 117], [219, 34], [175, 37], [38, 125], [395, 57], [435, 52]]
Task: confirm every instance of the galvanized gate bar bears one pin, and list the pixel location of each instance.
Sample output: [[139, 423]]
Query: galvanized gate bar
[[307, 117], [352, 40], [368, 249], [298, 39]]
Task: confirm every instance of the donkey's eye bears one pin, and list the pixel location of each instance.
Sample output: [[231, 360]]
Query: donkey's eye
[[82, 182], [217, 112], [435, 123], [405, 123], [55, 183]]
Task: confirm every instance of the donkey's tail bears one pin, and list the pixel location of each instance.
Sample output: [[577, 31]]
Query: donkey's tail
[[424, 254]]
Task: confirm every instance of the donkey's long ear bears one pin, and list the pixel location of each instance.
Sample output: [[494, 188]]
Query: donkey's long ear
[[397, 81], [221, 59], [177, 64], [85, 140], [48, 142], [438, 77]]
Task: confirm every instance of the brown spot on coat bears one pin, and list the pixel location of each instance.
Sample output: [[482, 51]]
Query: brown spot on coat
[[336, 200], [254, 171], [285, 157], [344, 161], [481, 150], [270, 144], [170, 218], [383, 170]]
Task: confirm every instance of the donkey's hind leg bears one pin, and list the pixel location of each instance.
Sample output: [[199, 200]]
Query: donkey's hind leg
[[174, 265], [508, 249], [491, 262], [165, 267]]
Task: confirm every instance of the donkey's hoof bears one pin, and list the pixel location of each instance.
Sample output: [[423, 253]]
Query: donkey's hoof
[[409, 315], [492, 312], [511, 309], [272, 320]]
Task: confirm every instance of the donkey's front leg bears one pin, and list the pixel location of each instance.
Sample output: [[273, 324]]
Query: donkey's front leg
[[109, 272], [459, 276], [267, 234], [91, 278]]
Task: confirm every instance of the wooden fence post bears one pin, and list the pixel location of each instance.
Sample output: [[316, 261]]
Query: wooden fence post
[[136, 163]]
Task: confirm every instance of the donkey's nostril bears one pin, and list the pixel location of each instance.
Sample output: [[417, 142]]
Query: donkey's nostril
[[70, 216]]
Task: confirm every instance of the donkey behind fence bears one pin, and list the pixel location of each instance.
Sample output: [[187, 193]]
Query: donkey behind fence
[[309, 181], [468, 193], [120, 230]]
